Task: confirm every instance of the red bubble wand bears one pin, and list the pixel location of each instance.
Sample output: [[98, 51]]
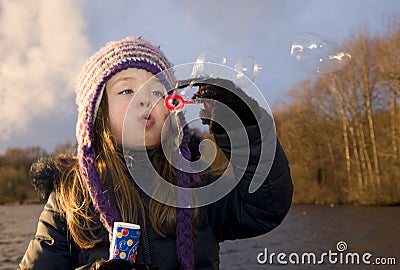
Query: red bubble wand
[[175, 102]]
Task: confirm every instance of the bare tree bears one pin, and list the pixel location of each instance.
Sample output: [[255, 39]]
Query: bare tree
[[344, 127]]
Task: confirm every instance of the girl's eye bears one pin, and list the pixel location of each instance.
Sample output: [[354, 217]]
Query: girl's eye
[[126, 92], [157, 93]]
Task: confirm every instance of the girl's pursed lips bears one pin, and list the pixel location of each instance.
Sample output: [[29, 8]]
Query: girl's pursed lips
[[146, 119]]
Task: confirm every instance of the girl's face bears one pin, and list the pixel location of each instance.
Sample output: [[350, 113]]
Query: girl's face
[[143, 106]]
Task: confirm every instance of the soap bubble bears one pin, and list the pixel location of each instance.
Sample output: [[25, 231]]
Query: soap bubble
[[309, 46], [317, 54], [246, 67], [333, 62], [207, 57]]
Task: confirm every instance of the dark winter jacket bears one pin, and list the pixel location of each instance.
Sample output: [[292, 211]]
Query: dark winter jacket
[[239, 214]]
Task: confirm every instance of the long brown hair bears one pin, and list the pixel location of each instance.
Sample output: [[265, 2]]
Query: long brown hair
[[75, 202]]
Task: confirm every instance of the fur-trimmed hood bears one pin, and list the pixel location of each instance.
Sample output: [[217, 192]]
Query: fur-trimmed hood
[[45, 174]]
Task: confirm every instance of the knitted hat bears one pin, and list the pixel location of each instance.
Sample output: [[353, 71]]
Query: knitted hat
[[114, 57]]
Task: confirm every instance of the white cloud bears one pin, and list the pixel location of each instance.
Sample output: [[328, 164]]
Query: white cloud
[[43, 46]]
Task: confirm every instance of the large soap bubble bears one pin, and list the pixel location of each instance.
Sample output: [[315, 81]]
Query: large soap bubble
[[317, 54]]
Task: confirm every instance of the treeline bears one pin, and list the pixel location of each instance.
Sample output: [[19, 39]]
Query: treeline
[[341, 131], [14, 166], [14, 171]]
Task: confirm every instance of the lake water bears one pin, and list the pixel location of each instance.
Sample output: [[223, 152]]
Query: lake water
[[307, 231]]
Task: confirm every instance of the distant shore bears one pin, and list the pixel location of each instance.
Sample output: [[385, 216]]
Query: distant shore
[[33, 202]]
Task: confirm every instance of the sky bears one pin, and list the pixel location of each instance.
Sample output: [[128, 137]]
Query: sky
[[43, 45]]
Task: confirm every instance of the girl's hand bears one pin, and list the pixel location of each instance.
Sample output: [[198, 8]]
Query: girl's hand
[[118, 264], [112, 264], [214, 92]]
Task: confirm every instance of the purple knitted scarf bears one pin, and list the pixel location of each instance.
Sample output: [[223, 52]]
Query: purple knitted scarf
[[184, 226]]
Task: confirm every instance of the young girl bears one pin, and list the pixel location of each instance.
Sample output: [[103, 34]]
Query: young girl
[[89, 192]]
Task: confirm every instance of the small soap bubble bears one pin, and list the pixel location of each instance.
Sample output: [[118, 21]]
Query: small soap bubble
[[317, 54], [246, 70], [334, 62], [200, 67]]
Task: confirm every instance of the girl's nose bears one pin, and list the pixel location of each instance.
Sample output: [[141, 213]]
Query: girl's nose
[[145, 104], [144, 101]]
